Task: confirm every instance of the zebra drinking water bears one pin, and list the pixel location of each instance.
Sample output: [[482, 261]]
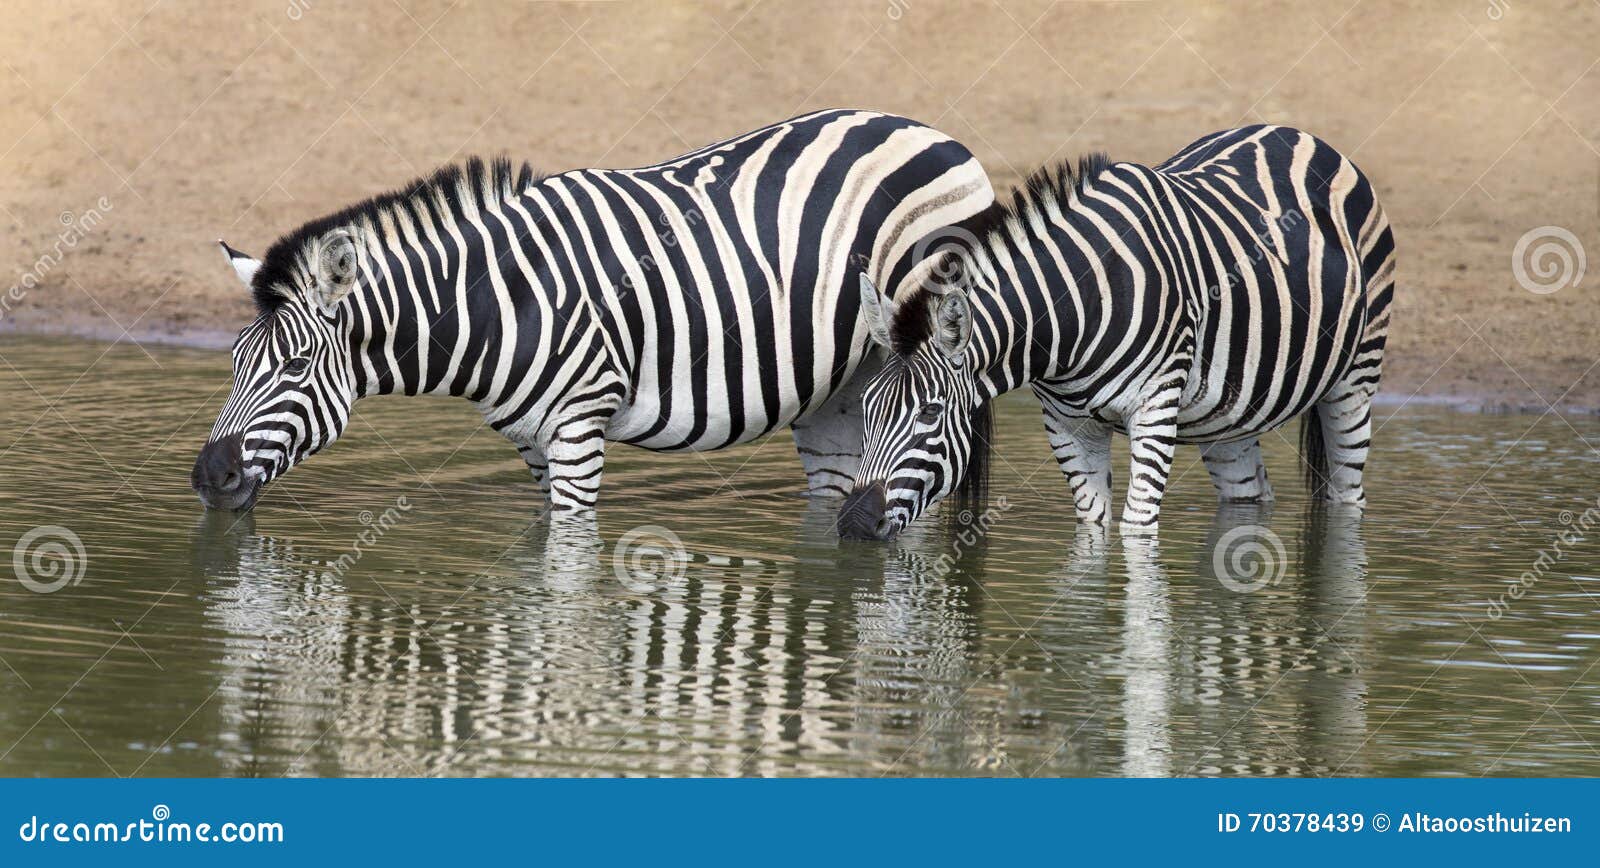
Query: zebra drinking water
[[1209, 300], [690, 305]]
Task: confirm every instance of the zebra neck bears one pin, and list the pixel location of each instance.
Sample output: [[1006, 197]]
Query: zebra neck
[[1020, 335], [396, 338], [441, 316]]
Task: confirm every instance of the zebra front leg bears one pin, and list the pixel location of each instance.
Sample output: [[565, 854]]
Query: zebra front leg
[[1082, 447], [1237, 471], [1345, 425], [1152, 439], [577, 455]]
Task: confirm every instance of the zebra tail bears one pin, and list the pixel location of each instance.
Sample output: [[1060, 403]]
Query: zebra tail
[[1313, 455], [972, 493]]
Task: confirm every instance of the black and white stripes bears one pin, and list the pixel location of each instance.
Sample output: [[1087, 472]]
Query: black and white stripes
[[1209, 300], [689, 305]]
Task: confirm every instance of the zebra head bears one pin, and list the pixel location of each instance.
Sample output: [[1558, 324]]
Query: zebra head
[[293, 375], [923, 414]]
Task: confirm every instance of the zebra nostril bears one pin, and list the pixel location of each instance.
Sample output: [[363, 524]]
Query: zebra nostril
[[220, 467], [861, 516]]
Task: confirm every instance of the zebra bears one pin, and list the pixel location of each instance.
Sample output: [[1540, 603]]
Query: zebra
[[1209, 300], [690, 305]]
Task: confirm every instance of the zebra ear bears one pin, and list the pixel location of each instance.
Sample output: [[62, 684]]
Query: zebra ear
[[877, 311], [243, 264], [338, 269], [953, 325]]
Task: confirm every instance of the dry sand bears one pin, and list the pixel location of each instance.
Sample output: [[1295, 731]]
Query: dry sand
[[144, 133]]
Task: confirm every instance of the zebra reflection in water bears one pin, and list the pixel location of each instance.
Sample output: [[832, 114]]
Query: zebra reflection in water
[[1213, 680], [810, 658], [718, 671]]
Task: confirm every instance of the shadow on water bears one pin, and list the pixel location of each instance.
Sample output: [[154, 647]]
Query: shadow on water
[[399, 610]]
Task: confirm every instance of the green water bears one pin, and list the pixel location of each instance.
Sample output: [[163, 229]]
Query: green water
[[465, 640]]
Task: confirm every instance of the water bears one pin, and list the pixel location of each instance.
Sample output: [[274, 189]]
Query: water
[[463, 639]]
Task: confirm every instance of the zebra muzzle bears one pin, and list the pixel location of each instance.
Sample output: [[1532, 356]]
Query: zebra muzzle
[[219, 475], [861, 516]]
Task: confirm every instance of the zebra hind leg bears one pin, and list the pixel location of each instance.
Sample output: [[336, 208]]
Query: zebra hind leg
[[538, 465], [1337, 436], [1237, 471], [1082, 447]]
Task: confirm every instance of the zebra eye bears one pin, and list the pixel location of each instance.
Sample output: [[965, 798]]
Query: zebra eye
[[929, 413], [296, 366]]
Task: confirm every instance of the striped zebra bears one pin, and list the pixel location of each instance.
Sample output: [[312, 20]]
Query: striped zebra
[[690, 305], [1209, 300]]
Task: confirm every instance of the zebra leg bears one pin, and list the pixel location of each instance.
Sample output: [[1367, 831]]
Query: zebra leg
[[1082, 447], [1346, 422], [829, 438], [1237, 471], [1344, 415], [539, 465], [577, 455], [1152, 439]]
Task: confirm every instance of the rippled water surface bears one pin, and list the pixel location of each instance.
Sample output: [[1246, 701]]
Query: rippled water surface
[[467, 639]]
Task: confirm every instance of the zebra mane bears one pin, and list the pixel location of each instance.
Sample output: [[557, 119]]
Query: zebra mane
[[913, 322], [1058, 183], [446, 190]]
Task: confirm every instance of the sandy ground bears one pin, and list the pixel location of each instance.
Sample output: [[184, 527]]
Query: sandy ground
[[134, 135]]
